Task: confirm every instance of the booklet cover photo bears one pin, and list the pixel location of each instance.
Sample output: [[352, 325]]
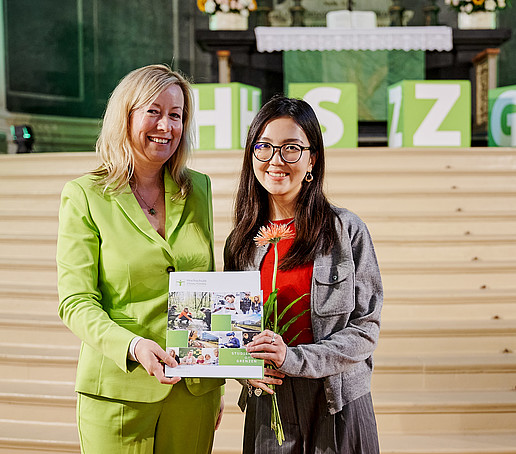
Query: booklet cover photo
[[212, 316]]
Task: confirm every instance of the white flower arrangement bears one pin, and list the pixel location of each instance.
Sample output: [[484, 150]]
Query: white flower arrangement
[[241, 7], [472, 6]]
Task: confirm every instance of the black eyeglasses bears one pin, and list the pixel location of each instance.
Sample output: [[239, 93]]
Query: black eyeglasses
[[289, 152]]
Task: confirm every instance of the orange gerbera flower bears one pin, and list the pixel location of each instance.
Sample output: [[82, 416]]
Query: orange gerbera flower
[[478, 2], [272, 234]]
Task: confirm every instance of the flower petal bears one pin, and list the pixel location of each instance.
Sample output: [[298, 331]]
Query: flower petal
[[273, 234]]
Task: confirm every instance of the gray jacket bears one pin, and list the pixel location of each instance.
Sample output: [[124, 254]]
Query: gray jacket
[[346, 301]]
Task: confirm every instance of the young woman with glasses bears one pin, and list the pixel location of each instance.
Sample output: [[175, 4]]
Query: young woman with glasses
[[322, 364]]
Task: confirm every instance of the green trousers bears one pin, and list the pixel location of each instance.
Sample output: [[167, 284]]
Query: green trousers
[[181, 423]]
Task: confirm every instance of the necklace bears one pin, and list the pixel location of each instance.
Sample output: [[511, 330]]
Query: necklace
[[151, 210], [287, 224]]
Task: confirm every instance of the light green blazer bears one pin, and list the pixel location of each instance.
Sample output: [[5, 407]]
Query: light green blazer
[[113, 279]]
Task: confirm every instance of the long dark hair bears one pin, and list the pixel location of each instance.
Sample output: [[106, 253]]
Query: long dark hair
[[314, 217]]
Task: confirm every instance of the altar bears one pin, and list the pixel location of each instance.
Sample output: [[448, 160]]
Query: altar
[[271, 57], [371, 58]]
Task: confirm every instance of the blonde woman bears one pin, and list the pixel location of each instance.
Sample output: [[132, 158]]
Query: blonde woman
[[123, 228]]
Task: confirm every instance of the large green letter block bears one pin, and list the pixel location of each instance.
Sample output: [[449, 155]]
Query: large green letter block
[[223, 113], [502, 117], [429, 113], [336, 107]]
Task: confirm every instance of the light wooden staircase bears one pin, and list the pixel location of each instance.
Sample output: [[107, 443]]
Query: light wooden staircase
[[444, 226]]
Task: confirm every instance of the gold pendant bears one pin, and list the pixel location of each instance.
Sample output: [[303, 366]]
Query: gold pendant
[[258, 392]]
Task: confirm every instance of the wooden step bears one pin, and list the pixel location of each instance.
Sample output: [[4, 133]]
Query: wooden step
[[28, 223], [457, 223], [451, 336], [38, 271], [443, 371], [27, 245], [440, 304], [38, 361], [423, 202], [448, 275], [17, 184], [47, 163], [29, 290], [460, 443], [31, 437], [36, 305], [28, 298], [486, 443], [445, 248], [47, 202], [34, 328], [446, 412], [45, 401], [419, 180]]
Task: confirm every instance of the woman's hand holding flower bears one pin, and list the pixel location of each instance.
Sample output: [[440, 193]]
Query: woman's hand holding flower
[[268, 346], [272, 377]]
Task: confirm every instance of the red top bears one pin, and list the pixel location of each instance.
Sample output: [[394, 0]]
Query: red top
[[292, 284]]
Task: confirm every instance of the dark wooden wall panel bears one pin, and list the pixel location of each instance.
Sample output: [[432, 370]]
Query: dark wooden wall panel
[[65, 57]]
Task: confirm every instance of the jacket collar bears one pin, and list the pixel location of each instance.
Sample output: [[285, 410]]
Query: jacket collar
[[259, 256]]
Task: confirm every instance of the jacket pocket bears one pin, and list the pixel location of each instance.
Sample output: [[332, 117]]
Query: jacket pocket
[[334, 289], [124, 321]]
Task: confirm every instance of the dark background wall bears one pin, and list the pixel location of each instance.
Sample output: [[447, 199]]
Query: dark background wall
[[65, 57], [507, 61]]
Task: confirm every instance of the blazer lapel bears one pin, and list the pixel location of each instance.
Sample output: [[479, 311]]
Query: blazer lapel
[[129, 205], [174, 207], [174, 210]]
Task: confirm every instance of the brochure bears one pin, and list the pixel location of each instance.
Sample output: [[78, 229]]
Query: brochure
[[211, 318]]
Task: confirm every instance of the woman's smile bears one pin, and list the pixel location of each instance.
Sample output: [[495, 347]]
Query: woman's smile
[[159, 140], [278, 175]]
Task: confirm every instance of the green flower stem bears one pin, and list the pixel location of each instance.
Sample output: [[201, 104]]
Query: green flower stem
[[274, 286], [276, 425]]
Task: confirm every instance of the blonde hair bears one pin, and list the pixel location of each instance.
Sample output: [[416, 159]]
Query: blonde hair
[[114, 148]]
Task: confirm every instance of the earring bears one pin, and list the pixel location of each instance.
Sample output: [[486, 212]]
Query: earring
[[309, 177]]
